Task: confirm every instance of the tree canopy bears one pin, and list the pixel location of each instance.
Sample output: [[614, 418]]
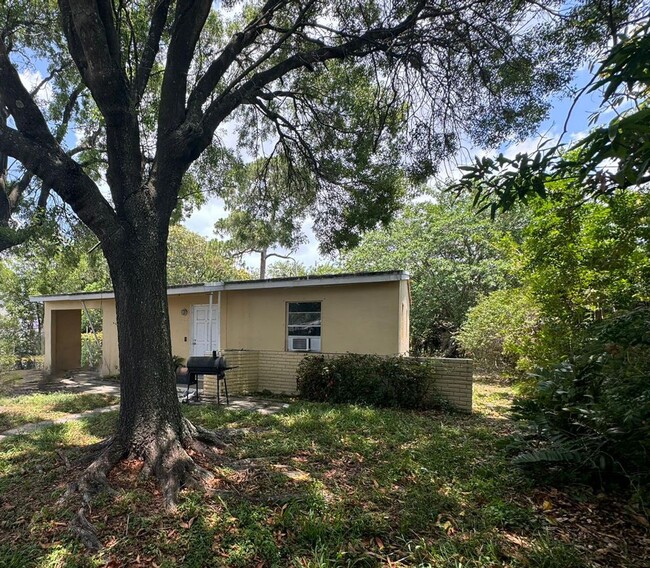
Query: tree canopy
[[453, 257], [608, 158]]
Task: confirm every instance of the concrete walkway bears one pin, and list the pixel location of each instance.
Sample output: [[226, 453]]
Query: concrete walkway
[[30, 428], [86, 382]]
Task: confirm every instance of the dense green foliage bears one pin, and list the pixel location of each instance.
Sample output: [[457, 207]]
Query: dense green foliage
[[91, 350], [612, 156], [192, 258], [586, 266], [291, 268], [500, 331], [368, 379], [592, 411], [579, 262], [453, 257]]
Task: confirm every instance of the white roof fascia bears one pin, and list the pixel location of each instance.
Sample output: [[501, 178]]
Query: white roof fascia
[[242, 285], [200, 289], [315, 281], [111, 295], [79, 297]]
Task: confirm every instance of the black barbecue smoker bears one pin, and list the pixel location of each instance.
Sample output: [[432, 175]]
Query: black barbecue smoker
[[209, 365]]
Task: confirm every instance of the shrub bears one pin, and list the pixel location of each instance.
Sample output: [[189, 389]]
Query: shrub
[[91, 350], [500, 332], [593, 410], [368, 379]]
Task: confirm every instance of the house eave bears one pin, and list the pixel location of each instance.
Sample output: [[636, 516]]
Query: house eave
[[208, 287]]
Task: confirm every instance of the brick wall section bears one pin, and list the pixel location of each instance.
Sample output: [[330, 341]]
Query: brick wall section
[[454, 381], [242, 379], [275, 371], [278, 371]]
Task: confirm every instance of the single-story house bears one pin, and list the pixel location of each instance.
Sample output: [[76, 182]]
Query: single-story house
[[362, 312], [264, 328]]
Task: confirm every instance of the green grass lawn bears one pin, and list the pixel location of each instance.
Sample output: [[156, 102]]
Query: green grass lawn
[[38, 407], [315, 486], [7, 381]]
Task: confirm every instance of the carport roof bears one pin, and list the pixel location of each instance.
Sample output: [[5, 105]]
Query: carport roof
[[293, 282]]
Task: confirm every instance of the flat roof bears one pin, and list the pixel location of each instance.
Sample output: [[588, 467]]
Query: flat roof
[[206, 287]]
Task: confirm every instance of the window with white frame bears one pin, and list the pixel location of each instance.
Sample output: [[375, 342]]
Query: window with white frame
[[303, 326]]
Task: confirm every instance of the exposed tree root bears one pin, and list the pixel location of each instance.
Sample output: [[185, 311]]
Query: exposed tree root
[[165, 458], [82, 529]]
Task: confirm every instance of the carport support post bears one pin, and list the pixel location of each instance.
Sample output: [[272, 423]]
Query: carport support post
[[210, 324]]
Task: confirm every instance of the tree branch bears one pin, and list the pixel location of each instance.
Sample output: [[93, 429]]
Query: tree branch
[[271, 50], [286, 257], [151, 48], [18, 189], [67, 112], [189, 20], [235, 46], [92, 39], [27, 116], [371, 41], [65, 176]]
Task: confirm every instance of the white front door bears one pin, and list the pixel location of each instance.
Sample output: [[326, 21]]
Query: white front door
[[202, 341]]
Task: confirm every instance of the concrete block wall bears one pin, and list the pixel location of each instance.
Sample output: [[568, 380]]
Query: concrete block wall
[[245, 376], [275, 371], [278, 371], [454, 380], [243, 379]]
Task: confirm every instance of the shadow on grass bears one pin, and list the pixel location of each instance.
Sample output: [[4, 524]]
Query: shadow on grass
[[34, 472], [40, 407], [82, 402], [375, 486]]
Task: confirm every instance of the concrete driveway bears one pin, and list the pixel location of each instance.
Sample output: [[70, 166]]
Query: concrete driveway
[[17, 383]]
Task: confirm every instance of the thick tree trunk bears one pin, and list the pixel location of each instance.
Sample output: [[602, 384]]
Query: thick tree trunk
[[263, 264], [151, 426], [149, 404]]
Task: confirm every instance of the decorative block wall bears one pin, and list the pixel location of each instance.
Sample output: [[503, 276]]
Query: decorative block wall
[[454, 380], [275, 371]]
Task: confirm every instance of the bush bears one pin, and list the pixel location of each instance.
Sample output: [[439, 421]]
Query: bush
[[593, 410], [368, 379], [91, 350], [500, 332]]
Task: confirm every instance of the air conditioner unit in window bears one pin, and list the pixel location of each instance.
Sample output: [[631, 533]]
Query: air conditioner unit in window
[[304, 343], [299, 344]]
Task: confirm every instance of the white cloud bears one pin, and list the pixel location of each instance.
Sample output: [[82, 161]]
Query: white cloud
[[31, 79], [202, 221]]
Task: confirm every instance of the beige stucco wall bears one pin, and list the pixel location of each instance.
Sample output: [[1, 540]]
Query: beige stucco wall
[[110, 353], [404, 332], [362, 318], [181, 325]]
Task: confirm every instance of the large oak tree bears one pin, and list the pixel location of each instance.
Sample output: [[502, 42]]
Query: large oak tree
[[335, 88]]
